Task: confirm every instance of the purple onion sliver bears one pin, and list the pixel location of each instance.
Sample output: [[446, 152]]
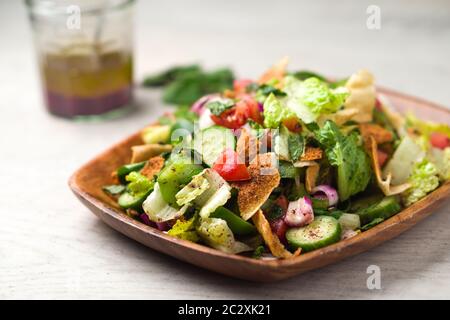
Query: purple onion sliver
[[144, 218], [162, 226], [261, 107], [198, 106], [299, 213], [329, 192]]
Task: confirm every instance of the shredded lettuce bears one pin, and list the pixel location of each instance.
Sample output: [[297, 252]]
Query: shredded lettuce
[[281, 140], [402, 162], [139, 184], [216, 233], [441, 158], [158, 210], [344, 152], [424, 179], [275, 112], [185, 229], [426, 128], [310, 98], [192, 190]]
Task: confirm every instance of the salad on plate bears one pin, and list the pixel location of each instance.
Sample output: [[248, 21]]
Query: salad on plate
[[281, 165]]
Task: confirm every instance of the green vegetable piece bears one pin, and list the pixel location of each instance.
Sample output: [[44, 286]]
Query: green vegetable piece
[[185, 229], [371, 224], [238, 225], [136, 192], [287, 170], [212, 141], [275, 112], [114, 189], [365, 202], [174, 177], [181, 129], [319, 203], [305, 74], [323, 231], [296, 144], [384, 209], [424, 179], [217, 107], [353, 165], [124, 170], [258, 252], [165, 77], [156, 134]]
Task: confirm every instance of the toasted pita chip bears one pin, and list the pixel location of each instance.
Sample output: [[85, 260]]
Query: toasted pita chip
[[147, 151], [384, 185], [340, 117], [254, 192], [247, 146], [311, 174], [362, 95], [273, 243], [277, 72], [311, 154], [153, 167], [380, 134]]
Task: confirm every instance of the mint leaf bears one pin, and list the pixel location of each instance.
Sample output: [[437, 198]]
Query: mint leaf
[[217, 107]]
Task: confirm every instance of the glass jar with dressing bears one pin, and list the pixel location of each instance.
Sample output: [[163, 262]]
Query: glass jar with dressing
[[85, 55]]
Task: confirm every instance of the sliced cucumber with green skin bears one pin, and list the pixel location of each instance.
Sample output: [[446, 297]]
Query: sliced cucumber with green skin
[[238, 225], [130, 201], [384, 209], [363, 203], [323, 231], [124, 170], [319, 203], [212, 141], [174, 177]]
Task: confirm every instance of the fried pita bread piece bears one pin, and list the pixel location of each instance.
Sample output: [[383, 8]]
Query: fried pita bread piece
[[384, 185], [277, 72], [153, 167], [380, 134], [362, 95], [254, 192], [340, 117], [273, 243], [247, 146], [311, 174], [146, 151], [311, 154]]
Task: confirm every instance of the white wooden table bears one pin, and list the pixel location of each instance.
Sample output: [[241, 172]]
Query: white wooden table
[[52, 247]]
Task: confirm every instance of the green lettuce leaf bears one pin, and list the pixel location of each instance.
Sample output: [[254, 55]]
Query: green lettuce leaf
[[275, 112], [344, 152], [139, 184], [426, 128], [424, 179], [185, 229]]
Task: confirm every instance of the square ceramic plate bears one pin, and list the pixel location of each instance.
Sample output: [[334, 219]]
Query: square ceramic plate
[[87, 184]]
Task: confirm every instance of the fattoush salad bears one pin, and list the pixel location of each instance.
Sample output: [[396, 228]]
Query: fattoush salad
[[281, 165]]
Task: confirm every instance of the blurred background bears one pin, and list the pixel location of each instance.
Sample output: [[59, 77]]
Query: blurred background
[[51, 246]]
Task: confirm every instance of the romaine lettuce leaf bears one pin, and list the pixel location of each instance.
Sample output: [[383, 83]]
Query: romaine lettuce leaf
[[423, 180], [192, 190], [310, 98], [185, 229], [275, 112], [158, 210], [353, 165], [441, 158]]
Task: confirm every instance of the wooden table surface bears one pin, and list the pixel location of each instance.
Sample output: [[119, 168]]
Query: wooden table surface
[[52, 247]]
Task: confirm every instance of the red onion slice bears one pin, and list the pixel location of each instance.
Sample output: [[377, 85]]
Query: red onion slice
[[328, 191], [198, 106], [144, 218], [299, 213]]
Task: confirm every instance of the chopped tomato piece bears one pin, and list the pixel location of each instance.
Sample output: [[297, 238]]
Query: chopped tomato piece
[[378, 105], [231, 118], [230, 167], [382, 157], [250, 107], [439, 140]]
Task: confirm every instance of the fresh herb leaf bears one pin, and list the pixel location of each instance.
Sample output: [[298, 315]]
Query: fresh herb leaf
[[217, 107], [169, 75], [258, 252], [114, 189], [266, 89], [296, 145], [305, 74], [274, 212]]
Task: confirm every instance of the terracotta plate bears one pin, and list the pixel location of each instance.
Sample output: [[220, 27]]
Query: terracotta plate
[[87, 181]]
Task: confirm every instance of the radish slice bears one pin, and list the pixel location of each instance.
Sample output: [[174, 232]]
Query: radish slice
[[299, 213], [329, 192]]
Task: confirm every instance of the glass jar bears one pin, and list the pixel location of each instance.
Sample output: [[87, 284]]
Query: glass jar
[[85, 55]]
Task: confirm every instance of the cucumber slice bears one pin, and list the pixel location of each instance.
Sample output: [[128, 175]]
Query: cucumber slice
[[384, 209], [238, 225], [129, 201], [124, 170], [323, 231], [212, 141], [365, 202]]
